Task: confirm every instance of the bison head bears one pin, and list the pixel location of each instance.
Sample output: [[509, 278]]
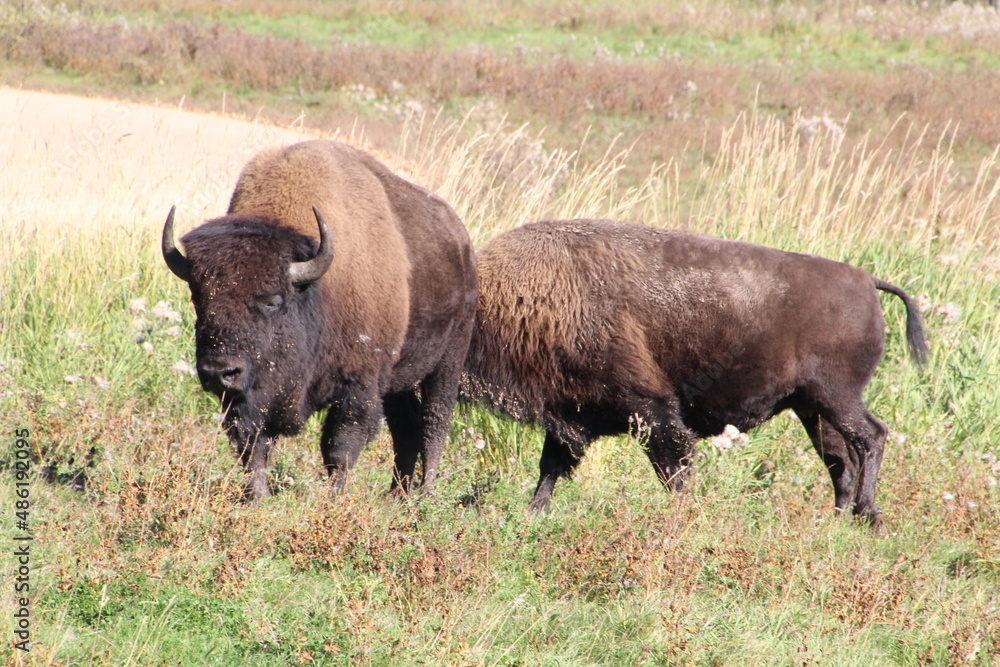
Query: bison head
[[254, 285]]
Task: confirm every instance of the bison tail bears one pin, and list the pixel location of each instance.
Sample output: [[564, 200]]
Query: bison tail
[[914, 326]]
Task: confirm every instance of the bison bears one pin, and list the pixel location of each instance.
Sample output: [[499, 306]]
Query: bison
[[594, 327], [330, 282]]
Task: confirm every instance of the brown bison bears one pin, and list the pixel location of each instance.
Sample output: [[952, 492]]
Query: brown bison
[[594, 327], [330, 282]]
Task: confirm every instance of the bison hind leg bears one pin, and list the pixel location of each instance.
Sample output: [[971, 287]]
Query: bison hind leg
[[838, 456], [403, 416], [867, 436], [438, 393], [851, 443]]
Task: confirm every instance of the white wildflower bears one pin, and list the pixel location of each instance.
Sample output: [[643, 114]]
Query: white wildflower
[[950, 311], [183, 368], [810, 127], [163, 311], [729, 438]]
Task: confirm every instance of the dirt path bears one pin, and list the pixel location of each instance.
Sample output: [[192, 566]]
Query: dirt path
[[68, 160]]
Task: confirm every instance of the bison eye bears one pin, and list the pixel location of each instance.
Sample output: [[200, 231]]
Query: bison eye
[[269, 302]]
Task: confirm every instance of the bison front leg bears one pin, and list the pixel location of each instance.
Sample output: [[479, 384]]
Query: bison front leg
[[254, 456], [668, 443], [347, 429], [669, 450], [557, 461]]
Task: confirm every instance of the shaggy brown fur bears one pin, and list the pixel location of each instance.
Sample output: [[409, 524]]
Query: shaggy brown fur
[[585, 325], [385, 328]]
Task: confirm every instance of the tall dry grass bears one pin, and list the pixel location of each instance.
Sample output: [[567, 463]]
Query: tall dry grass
[[786, 182], [772, 179]]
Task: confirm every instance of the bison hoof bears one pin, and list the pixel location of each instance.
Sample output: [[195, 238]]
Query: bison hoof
[[871, 516], [255, 489], [874, 520], [399, 494], [540, 505], [338, 482]]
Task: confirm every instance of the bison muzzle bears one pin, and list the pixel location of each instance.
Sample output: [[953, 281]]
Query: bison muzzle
[[330, 283], [594, 327]]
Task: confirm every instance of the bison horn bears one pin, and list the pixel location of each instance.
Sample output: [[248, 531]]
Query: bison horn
[[177, 262], [313, 269]]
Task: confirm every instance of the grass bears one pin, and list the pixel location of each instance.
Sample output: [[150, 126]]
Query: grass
[[143, 554], [642, 30], [662, 74]]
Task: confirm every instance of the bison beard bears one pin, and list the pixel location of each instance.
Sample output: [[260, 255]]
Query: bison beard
[[591, 328]]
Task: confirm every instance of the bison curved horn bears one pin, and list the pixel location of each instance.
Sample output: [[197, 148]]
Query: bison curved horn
[[177, 262], [313, 269]]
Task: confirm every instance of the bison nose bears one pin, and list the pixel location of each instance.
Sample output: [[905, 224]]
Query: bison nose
[[220, 375]]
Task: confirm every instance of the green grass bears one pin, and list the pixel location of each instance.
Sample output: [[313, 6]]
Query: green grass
[[665, 75], [144, 555], [799, 34]]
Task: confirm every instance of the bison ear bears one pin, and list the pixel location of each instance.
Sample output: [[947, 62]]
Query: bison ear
[[311, 270], [175, 260]]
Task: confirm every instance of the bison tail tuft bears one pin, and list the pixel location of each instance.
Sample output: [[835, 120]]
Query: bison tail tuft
[[914, 325]]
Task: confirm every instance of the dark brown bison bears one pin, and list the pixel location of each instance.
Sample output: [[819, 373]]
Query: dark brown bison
[[594, 327], [330, 282]]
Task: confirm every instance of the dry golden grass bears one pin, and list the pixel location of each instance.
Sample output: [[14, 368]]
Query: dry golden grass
[[75, 162]]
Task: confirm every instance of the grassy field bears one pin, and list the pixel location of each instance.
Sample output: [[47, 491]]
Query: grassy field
[[788, 136], [663, 74]]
